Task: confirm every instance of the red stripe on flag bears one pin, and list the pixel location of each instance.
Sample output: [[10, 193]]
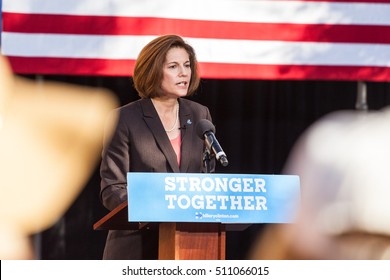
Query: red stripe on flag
[[342, 1], [107, 25], [294, 72], [70, 66]]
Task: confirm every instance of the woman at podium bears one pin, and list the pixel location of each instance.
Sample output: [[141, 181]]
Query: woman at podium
[[156, 133]]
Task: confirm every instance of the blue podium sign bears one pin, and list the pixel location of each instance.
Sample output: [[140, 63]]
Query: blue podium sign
[[214, 198]]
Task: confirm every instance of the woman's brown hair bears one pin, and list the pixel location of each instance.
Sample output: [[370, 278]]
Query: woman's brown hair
[[148, 71]]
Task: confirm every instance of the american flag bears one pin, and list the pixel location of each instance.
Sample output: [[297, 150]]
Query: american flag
[[233, 39]]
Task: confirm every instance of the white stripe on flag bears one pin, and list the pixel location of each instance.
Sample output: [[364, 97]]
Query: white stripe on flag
[[208, 50], [299, 12]]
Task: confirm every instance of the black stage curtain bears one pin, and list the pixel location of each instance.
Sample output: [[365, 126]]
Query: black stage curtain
[[257, 123]]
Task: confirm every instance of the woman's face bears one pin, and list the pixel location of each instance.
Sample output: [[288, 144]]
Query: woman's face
[[176, 73]]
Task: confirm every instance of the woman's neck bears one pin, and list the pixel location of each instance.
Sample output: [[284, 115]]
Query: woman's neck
[[168, 112]]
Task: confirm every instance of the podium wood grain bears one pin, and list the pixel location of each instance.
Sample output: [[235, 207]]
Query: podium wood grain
[[177, 241], [192, 241]]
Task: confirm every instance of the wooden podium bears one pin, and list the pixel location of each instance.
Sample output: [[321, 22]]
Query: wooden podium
[[194, 211], [177, 241]]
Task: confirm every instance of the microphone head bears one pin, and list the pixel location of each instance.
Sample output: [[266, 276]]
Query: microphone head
[[204, 126]]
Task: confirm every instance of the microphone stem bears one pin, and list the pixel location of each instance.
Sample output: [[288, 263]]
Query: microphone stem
[[206, 161]]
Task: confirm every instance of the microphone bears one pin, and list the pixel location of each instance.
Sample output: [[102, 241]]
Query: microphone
[[205, 130]]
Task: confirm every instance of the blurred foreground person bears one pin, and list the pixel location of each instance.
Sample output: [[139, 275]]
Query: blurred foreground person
[[50, 141], [343, 162]]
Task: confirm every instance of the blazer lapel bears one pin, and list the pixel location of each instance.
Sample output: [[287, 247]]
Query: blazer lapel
[[156, 127], [187, 130]]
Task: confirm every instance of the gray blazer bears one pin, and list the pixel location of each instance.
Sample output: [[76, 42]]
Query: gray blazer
[[140, 144]]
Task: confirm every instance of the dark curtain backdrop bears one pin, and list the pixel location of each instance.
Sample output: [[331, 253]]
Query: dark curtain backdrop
[[257, 123]]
